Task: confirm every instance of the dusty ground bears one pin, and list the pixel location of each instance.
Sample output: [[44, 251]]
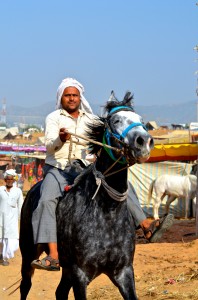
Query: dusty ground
[[165, 270]]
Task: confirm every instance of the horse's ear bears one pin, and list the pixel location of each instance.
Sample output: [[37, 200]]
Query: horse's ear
[[112, 97], [111, 102], [128, 99], [128, 96]]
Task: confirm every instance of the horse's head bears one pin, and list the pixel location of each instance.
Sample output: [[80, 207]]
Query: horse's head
[[125, 130]]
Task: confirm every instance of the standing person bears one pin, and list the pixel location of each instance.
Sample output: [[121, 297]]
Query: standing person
[[73, 113], [11, 200]]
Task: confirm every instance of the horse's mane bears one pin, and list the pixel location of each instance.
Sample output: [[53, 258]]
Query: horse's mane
[[96, 130]]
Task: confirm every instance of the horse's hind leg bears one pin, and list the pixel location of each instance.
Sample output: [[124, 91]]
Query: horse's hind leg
[[65, 285], [168, 202], [187, 207], [126, 283]]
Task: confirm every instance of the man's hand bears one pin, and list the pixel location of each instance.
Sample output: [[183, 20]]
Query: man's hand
[[64, 135]]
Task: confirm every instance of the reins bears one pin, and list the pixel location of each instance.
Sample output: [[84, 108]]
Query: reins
[[100, 178], [107, 143], [103, 145], [112, 173], [92, 141]]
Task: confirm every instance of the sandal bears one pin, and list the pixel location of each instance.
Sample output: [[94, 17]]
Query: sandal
[[41, 264], [157, 231]]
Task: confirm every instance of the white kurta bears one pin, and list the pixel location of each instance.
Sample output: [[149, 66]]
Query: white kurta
[[10, 210]]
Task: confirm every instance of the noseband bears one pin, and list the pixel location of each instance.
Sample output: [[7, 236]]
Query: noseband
[[119, 138]]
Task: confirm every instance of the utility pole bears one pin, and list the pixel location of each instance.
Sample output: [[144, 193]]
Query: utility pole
[[196, 212], [196, 73], [3, 112], [197, 96]]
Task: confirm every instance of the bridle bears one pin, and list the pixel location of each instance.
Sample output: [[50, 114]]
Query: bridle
[[124, 158], [123, 148]]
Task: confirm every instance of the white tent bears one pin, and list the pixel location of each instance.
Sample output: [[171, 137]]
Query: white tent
[[193, 126]]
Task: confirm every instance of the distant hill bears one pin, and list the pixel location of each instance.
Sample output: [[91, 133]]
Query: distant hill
[[182, 113]]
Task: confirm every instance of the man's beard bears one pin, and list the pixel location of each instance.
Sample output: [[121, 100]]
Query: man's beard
[[72, 110]]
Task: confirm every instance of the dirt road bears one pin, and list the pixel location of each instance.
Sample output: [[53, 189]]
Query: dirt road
[[165, 270]]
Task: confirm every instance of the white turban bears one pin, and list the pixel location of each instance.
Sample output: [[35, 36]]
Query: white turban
[[9, 172], [84, 105]]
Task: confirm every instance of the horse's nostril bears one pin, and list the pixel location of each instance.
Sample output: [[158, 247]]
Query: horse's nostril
[[140, 141], [152, 143]]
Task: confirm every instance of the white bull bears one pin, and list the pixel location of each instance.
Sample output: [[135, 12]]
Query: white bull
[[173, 186]]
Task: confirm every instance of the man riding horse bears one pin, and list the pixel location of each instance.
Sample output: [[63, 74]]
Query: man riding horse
[[73, 113]]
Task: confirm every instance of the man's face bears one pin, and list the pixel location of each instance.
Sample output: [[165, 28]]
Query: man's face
[[9, 180], [71, 99]]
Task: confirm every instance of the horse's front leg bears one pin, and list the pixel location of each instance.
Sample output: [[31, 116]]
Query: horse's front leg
[[65, 285], [125, 282], [156, 205], [75, 278], [27, 272], [80, 282]]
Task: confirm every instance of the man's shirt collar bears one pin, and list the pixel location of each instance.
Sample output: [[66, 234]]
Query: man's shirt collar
[[65, 113]]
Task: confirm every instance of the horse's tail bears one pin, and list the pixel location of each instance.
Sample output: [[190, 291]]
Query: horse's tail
[[150, 192]]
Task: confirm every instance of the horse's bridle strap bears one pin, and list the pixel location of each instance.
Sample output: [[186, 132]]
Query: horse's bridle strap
[[108, 133], [132, 125], [119, 108], [106, 141]]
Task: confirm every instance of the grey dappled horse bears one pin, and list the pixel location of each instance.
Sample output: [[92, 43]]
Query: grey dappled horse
[[95, 230]]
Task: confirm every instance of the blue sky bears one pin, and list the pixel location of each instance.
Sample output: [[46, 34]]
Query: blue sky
[[138, 45]]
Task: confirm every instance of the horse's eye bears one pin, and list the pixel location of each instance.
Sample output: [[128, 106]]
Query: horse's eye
[[115, 122]]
